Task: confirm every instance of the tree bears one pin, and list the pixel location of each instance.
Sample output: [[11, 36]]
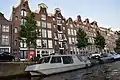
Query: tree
[[29, 31], [82, 40], [99, 41], [118, 42]]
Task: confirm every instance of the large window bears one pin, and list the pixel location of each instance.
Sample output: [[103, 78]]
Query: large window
[[23, 44], [44, 43], [43, 24], [67, 59], [69, 31], [73, 40], [75, 32], [56, 60], [15, 30], [70, 41], [49, 34], [24, 54], [38, 43], [5, 28], [48, 25], [43, 33], [23, 12], [23, 21], [43, 17], [5, 40], [72, 32], [50, 45]]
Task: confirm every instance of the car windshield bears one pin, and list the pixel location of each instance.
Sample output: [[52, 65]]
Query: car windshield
[[44, 60]]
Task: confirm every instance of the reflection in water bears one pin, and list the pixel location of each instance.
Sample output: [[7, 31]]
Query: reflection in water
[[99, 72]]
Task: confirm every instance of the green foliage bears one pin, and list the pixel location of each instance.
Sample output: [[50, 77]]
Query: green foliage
[[82, 40], [118, 41], [29, 32], [99, 41]]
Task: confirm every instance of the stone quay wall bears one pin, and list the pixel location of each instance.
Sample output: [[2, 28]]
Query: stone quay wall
[[13, 68]]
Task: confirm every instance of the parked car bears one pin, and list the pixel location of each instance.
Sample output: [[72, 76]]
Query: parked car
[[115, 56], [95, 60], [6, 56], [106, 57]]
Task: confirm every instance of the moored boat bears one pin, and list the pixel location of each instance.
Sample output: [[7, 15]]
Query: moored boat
[[56, 64]]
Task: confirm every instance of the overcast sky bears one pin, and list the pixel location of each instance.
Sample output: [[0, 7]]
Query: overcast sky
[[105, 12]]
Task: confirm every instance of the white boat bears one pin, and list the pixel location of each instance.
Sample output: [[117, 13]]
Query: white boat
[[57, 63]]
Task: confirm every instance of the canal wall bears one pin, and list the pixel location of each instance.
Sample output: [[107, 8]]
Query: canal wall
[[13, 68]]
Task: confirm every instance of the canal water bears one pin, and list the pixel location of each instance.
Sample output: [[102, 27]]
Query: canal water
[[110, 71]]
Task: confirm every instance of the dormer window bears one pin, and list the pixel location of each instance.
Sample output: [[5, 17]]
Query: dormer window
[[23, 12], [43, 17]]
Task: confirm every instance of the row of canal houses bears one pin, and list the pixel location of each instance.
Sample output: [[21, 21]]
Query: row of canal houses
[[58, 34]]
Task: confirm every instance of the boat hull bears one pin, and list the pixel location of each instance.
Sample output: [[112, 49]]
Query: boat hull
[[56, 70]]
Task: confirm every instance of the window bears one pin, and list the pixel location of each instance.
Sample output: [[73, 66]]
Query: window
[[24, 54], [50, 45], [75, 32], [23, 12], [40, 61], [22, 44], [38, 23], [59, 28], [56, 60], [48, 25], [73, 40], [5, 40], [70, 42], [49, 34], [72, 32], [44, 43], [53, 19], [43, 33], [58, 21], [23, 21], [5, 28], [67, 59], [43, 24], [38, 43], [63, 28], [69, 31], [16, 30], [15, 43], [43, 17]]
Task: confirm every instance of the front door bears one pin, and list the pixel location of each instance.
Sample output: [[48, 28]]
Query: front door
[[61, 51]]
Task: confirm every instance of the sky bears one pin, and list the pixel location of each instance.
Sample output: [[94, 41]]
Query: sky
[[105, 12]]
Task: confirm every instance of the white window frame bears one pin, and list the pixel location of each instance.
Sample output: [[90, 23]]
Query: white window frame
[[49, 25], [49, 33], [50, 44], [5, 28], [5, 40]]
